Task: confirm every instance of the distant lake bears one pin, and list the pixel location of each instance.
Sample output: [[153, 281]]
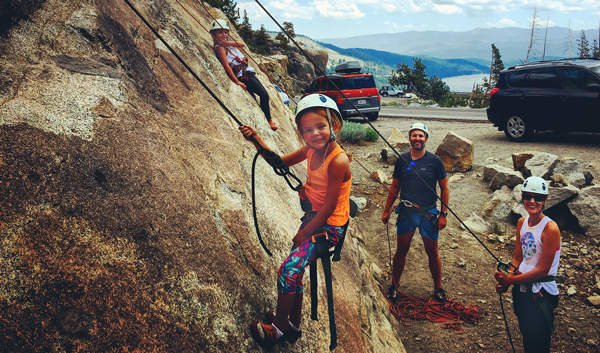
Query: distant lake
[[464, 83]]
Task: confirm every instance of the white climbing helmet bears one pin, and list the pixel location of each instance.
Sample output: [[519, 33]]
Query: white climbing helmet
[[317, 100], [535, 185], [219, 24], [419, 126]]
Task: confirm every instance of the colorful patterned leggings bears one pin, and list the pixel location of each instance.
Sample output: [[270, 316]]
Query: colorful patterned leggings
[[292, 269]]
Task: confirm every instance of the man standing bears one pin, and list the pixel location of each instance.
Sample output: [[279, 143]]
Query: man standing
[[417, 207]]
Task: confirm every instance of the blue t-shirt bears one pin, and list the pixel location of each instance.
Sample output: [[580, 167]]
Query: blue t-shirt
[[430, 167]]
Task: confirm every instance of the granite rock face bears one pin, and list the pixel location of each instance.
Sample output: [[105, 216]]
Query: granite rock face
[[126, 218]]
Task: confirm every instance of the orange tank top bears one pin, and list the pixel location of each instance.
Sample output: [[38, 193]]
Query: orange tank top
[[316, 189]]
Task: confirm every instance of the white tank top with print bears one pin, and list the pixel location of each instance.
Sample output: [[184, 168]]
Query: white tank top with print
[[531, 245], [233, 54]]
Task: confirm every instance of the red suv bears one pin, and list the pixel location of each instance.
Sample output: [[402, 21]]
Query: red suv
[[358, 88]]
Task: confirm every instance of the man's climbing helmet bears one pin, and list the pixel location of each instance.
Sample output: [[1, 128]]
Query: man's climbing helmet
[[219, 24], [419, 126]]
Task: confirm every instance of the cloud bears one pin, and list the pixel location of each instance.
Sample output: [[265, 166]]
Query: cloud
[[342, 10], [447, 9], [505, 22]]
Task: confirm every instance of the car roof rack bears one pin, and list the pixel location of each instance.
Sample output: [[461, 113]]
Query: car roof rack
[[349, 67], [565, 61]]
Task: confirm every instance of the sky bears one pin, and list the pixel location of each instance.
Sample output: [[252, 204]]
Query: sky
[[321, 19]]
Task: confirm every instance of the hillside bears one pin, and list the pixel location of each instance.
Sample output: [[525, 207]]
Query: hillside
[[476, 43], [126, 219], [382, 63]]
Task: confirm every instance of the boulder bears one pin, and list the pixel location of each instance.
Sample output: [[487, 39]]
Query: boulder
[[571, 171], [541, 164], [500, 205], [455, 178], [361, 202], [380, 176], [506, 177], [557, 195], [586, 208], [589, 177], [456, 152], [388, 156], [398, 141], [490, 171], [126, 217], [477, 224], [594, 300], [520, 158]]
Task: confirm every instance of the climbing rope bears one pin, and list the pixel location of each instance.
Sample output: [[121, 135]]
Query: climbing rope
[[280, 169], [451, 315]]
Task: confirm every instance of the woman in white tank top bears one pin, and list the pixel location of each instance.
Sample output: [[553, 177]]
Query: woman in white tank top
[[537, 254]]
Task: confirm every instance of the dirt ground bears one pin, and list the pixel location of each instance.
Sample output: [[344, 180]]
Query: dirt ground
[[576, 321]]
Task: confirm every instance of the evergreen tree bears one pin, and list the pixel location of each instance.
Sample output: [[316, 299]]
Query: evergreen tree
[[229, 9], [595, 50], [495, 68], [283, 39], [289, 28], [415, 78], [583, 46], [438, 89], [260, 40], [245, 29]]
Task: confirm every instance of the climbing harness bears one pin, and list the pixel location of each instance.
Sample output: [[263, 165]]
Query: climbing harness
[[320, 240], [280, 168]]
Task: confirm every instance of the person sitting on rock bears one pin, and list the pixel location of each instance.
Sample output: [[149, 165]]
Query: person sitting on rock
[[327, 189], [237, 68], [537, 254]]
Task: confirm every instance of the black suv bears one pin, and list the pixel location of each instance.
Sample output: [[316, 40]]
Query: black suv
[[558, 95]]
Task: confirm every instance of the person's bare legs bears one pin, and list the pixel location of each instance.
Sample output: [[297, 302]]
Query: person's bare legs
[[403, 245], [296, 314], [435, 264], [285, 303]]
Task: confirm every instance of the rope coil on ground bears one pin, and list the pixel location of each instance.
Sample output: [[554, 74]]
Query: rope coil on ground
[[451, 315]]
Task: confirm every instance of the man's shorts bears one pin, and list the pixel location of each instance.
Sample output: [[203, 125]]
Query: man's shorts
[[416, 220]]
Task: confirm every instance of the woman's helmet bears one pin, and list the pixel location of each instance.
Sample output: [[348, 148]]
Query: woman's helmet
[[535, 185], [419, 126], [317, 100], [219, 24]]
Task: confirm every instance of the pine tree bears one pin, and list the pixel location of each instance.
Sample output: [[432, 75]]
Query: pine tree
[[229, 9], [289, 28], [260, 40], [533, 38], [496, 67], [245, 28], [583, 46], [415, 79], [283, 39], [595, 50]]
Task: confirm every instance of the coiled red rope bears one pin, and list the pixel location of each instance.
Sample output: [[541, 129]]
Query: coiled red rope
[[408, 310]]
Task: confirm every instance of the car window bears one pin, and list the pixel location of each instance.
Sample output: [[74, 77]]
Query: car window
[[331, 86], [315, 86], [516, 79], [576, 80], [542, 78], [359, 82]]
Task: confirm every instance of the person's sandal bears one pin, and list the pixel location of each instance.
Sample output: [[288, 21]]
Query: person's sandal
[[272, 125], [265, 335], [291, 335], [440, 295]]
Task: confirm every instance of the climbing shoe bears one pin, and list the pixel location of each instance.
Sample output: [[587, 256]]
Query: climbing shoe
[[393, 293], [292, 335], [440, 295], [272, 125], [265, 335]]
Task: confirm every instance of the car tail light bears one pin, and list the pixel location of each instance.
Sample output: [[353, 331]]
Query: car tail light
[[494, 90], [339, 100], [378, 98]]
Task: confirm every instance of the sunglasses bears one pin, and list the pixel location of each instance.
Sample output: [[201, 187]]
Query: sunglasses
[[536, 197]]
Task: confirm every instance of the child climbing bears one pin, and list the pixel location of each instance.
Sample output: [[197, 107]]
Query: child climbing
[[236, 66], [328, 190]]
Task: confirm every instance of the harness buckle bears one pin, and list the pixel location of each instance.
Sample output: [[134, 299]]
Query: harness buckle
[[407, 203]]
